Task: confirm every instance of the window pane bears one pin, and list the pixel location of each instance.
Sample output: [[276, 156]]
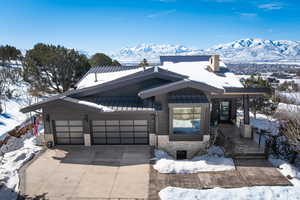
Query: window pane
[[187, 120], [182, 110]]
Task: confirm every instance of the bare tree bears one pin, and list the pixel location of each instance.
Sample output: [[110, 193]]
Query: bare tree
[[289, 116]]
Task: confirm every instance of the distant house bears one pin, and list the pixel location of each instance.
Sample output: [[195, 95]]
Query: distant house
[[172, 106]]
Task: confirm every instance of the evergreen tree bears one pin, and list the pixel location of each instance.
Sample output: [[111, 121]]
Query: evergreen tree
[[100, 59], [51, 68], [263, 103], [8, 54], [144, 63]]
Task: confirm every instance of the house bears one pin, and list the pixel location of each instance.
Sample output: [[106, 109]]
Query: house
[[174, 106]]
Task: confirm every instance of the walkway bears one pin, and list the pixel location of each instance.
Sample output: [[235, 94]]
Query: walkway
[[248, 173]]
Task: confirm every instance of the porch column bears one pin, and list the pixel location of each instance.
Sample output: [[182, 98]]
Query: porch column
[[246, 128], [246, 109]]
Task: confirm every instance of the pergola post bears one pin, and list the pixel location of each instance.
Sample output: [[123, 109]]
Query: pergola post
[[246, 109], [247, 131]]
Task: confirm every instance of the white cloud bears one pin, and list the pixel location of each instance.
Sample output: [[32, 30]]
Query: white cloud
[[162, 13], [250, 15], [271, 6]]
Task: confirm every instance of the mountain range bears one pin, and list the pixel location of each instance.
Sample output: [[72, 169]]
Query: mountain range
[[244, 50]]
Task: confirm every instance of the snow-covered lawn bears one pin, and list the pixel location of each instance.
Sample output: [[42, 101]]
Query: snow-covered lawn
[[213, 161], [13, 156], [249, 193]]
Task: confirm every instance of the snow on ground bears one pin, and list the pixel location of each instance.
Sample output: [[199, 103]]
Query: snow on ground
[[213, 161], [292, 96], [12, 117], [262, 122], [13, 156], [249, 193]]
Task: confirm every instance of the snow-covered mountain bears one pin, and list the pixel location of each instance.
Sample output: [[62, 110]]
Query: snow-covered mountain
[[152, 52], [258, 50], [244, 50]]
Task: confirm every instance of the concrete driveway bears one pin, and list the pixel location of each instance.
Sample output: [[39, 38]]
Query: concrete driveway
[[98, 172]]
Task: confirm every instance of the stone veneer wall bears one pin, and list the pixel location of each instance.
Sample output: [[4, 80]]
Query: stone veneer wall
[[192, 147]]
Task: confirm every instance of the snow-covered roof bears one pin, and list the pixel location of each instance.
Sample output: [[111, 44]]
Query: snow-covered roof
[[99, 77], [197, 71]]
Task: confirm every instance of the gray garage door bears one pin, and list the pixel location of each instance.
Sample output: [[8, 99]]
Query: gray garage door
[[69, 132], [119, 131]]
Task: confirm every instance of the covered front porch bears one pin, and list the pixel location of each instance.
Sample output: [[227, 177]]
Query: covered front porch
[[230, 117]]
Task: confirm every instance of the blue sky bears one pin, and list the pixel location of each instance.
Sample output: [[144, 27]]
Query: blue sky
[[107, 25]]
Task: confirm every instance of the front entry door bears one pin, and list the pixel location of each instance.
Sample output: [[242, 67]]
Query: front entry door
[[224, 115]]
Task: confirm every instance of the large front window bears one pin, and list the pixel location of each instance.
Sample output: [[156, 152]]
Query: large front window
[[186, 120]]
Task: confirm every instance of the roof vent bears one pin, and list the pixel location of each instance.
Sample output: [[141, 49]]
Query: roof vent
[[96, 79], [214, 63]]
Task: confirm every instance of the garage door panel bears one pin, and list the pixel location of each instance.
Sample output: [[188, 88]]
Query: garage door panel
[[112, 122], [69, 131], [76, 134], [61, 123], [62, 140], [62, 134], [127, 140], [76, 140], [76, 129], [99, 134], [140, 122], [120, 131], [98, 122], [126, 128], [113, 140], [142, 140], [75, 123], [140, 128], [99, 128], [99, 140], [126, 122], [141, 134], [112, 128]]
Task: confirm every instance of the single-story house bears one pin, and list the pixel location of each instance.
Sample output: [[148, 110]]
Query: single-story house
[[172, 106]]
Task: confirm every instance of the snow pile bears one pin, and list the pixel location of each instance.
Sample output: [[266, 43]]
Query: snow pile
[[249, 193], [228, 79], [287, 170], [13, 156], [12, 118], [97, 106], [263, 122], [213, 161], [291, 96]]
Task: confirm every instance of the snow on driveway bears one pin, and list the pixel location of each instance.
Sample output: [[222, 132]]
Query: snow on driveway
[[249, 193], [13, 156], [213, 161]]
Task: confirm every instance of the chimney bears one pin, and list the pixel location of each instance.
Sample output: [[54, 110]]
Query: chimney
[[214, 63]]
